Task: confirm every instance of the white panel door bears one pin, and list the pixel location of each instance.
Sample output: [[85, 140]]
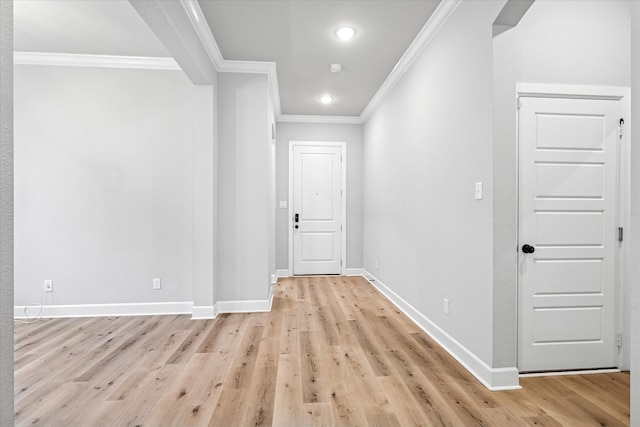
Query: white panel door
[[317, 209], [568, 191]]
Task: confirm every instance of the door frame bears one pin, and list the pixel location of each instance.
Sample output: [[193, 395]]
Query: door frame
[[617, 93], [343, 207]]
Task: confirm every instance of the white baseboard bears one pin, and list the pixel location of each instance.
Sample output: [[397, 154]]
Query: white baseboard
[[348, 272], [145, 309], [103, 310], [569, 373], [204, 312], [246, 306], [367, 275], [494, 379], [283, 273]]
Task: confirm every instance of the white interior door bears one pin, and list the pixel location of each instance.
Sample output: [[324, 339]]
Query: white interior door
[[317, 210], [568, 190]]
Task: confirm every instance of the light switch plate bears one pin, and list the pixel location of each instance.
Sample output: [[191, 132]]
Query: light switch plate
[[478, 191]]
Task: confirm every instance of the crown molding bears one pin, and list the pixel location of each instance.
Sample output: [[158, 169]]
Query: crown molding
[[439, 17], [199, 23], [275, 90], [247, 67], [102, 61], [201, 27], [291, 118], [258, 67]]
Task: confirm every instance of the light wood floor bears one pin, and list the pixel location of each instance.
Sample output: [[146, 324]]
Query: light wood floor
[[333, 351]]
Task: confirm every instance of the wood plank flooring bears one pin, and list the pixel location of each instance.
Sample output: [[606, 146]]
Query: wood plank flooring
[[332, 352]]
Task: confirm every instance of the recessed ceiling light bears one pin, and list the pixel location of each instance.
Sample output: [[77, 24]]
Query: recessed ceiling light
[[326, 99], [335, 68], [345, 33]]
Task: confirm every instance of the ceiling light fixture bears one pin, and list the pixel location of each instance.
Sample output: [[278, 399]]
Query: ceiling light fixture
[[335, 68], [345, 33], [326, 99]]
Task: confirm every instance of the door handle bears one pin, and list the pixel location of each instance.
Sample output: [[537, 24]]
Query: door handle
[[296, 218], [528, 249]]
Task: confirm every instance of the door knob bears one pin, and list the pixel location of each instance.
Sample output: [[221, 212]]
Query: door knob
[[528, 249]]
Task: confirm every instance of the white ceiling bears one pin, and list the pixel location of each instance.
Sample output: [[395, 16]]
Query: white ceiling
[[297, 35], [93, 27]]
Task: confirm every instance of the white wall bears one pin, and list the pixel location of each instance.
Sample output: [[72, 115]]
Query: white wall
[[205, 198], [244, 187], [272, 189], [103, 184], [561, 42], [564, 41], [425, 147], [6, 213], [351, 134], [635, 215]]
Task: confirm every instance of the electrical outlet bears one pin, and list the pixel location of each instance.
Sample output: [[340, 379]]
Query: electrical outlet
[[446, 306], [376, 264], [48, 286], [156, 283]]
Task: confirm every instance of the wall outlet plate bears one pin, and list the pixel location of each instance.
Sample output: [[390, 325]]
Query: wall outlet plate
[[156, 283], [48, 286]]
